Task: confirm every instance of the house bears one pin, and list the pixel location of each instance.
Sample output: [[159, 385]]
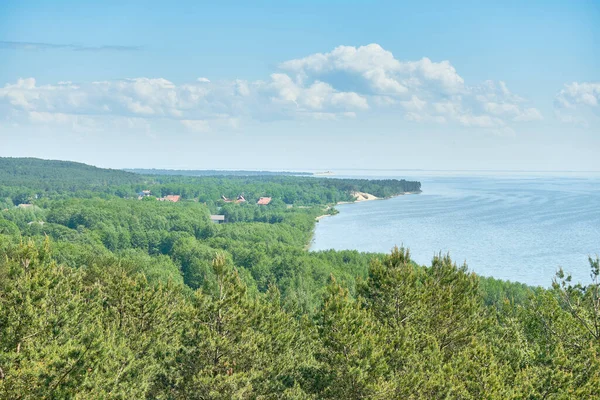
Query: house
[[25, 205], [171, 197], [217, 219], [263, 201], [143, 193], [239, 199]]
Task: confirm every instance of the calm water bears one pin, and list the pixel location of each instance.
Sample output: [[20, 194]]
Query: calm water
[[514, 228]]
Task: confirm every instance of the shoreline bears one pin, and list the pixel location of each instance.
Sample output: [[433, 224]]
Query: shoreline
[[362, 198]]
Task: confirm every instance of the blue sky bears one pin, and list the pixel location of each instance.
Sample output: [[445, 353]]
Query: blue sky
[[303, 85]]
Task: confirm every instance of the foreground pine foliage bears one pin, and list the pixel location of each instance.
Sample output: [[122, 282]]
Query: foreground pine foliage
[[104, 331]]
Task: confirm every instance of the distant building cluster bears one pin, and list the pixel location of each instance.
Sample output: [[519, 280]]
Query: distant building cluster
[[239, 199], [174, 198], [263, 201], [144, 193]]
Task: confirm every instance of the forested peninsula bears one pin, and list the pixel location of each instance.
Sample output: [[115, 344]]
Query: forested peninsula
[[120, 285]]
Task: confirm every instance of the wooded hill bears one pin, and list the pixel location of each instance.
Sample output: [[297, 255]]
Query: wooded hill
[[59, 175]]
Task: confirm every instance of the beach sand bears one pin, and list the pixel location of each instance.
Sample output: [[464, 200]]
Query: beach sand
[[361, 196]]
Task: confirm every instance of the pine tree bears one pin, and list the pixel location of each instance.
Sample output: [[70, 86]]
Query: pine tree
[[352, 352]]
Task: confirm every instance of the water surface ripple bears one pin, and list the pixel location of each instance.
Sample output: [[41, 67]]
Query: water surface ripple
[[518, 229]]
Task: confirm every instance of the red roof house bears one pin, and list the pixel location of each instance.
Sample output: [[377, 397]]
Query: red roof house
[[263, 201], [171, 197]]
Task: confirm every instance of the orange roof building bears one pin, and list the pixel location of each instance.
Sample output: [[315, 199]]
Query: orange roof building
[[173, 197], [263, 201]]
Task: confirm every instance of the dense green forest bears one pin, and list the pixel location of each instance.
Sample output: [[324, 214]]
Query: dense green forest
[[107, 294], [51, 175], [32, 180]]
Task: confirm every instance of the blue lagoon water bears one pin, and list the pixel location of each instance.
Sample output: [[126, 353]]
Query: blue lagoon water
[[510, 227]]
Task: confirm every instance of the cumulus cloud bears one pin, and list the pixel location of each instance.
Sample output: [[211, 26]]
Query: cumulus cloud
[[414, 104], [344, 83], [425, 90], [574, 94], [382, 71], [578, 103], [315, 97]]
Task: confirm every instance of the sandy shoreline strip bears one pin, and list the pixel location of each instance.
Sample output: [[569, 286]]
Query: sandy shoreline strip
[[359, 197]]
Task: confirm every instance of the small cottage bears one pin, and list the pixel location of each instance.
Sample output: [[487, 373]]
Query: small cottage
[[263, 201], [172, 198]]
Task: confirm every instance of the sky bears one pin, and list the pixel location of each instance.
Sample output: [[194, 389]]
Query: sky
[[303, 85]]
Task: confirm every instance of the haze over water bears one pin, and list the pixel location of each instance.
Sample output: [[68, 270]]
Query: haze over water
[[509, 226]]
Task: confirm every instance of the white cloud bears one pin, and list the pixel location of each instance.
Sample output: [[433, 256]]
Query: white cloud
[[316, 97], [513, 111], [414, 104], [285, 86], [442, 72], [137, 108], [242, 87], [349, 100], [501, 108], [343, 83], [426, 91], [379, 67], [384, 101], [574, 94], [578, 103]]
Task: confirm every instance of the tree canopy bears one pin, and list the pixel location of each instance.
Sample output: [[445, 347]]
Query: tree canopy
[[104, 296]]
